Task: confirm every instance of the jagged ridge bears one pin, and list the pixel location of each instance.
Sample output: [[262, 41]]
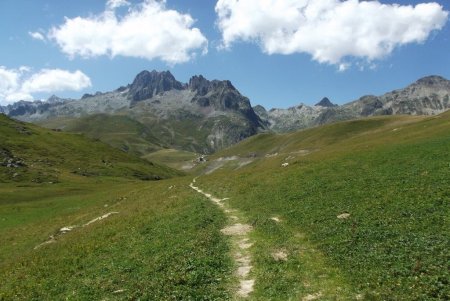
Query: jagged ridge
[[205, 116], [427, 96]]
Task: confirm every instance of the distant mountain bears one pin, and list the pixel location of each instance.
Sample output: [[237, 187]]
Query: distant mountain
[[427, 96], [200, 116]]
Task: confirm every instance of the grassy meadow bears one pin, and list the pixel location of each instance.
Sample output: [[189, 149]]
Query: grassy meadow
[[163, 244], [389, 176], [360, 212]]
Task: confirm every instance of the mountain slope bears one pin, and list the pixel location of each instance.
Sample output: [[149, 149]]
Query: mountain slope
[[368, 197], [427, 96], [117, 130], [29, 153]]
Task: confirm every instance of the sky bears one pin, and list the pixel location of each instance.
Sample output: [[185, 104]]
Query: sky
[[278, 53]]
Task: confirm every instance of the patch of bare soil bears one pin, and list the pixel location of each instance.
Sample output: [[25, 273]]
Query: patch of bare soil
[[237, 229], [280, 255], [312, 297]]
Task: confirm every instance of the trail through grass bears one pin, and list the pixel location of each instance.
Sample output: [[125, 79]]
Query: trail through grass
[[363, 215], [239, 233]]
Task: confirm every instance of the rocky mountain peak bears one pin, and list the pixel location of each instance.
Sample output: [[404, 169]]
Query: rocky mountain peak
[[54, 99], [432, 80], [325, 102], [148, 84]]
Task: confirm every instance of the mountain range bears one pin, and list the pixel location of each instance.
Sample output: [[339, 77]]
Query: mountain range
[[427, 96], [156, 111]]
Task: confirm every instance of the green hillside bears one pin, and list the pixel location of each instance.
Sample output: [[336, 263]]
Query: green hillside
[[364, 209], [32, 154], [119, 131]]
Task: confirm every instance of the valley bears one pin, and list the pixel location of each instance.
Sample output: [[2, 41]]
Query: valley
[[354, 210]]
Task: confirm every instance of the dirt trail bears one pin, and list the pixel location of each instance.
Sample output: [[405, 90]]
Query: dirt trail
[[67, 229], [239, 233]]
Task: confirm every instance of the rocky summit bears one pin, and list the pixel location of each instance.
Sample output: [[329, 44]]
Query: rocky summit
[[148, 84]]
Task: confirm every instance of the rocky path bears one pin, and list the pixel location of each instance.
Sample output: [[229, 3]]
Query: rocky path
[[53, 238], [239, 233]]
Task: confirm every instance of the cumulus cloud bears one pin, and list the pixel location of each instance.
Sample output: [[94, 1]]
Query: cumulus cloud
[[9, 84], [16, 96], [37, 35], [55, 80], [329, 30], [20, 84], [148, 30]]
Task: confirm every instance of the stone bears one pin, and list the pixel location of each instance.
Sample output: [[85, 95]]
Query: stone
[[344, 215]]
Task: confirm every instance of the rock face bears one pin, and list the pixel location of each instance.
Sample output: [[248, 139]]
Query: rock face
[[21, 108], [427, 96], [201, 116]]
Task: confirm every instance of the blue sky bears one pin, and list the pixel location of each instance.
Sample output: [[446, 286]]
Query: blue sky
[[267, 52]]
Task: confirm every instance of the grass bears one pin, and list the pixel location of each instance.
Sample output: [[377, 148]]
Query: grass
[[119, 131], [177, 159], [390, 175], [40, 155], [164, 244]]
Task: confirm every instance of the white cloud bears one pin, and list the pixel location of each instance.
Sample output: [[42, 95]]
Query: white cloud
[[37, 35], [149, 31], [20, 84], [329, 30]]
